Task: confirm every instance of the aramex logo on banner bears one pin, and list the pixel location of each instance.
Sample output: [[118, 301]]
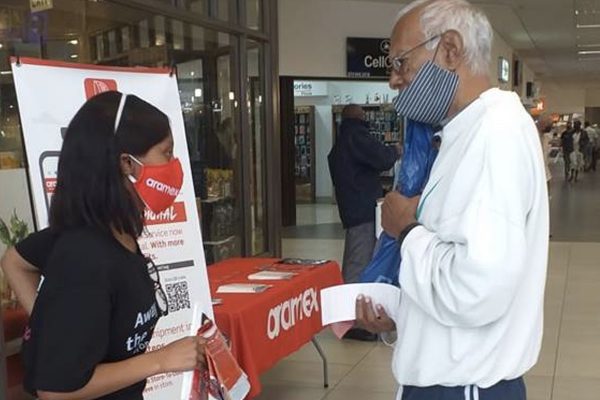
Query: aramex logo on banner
[[50, 184], [286, 314], [95, 86], [174, 214]]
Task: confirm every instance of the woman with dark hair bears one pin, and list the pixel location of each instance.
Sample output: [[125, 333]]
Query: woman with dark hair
[[95, 312]]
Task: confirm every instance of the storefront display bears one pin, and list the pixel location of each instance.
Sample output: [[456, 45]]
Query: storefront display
[[304, 139], [200, 41]]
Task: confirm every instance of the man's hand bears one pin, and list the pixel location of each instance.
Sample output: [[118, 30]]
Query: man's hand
[[372, 318], [398, 212]]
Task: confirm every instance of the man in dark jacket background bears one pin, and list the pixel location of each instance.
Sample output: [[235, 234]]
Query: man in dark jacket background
[[566, 141], [355, 163]]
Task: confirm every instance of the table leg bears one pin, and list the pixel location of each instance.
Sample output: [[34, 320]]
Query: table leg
[[325, 364]]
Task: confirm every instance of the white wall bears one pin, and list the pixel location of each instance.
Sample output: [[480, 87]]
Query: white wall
[[324, 121], [592, 97], [312, 33], [501, 49], [563, 98]]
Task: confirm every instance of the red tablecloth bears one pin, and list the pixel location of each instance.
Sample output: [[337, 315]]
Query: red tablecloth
[[266, 327], [14, 321]]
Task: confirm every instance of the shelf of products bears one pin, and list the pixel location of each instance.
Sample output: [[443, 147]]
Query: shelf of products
[[219, 216], [304, 139]]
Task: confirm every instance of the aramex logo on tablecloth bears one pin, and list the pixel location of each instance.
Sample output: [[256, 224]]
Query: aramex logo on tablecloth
[[286, 314], [94, 86]]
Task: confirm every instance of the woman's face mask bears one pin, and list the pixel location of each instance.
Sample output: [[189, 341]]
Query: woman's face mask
[[158, 185]]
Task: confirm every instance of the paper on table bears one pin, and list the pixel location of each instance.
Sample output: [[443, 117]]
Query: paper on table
[[338, 303], [242, 288], [271, 276]]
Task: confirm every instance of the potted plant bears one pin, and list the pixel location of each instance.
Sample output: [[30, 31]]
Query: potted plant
[[10, 234]]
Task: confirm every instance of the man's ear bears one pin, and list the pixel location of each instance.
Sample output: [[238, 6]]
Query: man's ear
[[451, 50]]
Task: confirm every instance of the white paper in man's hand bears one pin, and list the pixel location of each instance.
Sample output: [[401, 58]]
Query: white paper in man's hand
[[338, 303]]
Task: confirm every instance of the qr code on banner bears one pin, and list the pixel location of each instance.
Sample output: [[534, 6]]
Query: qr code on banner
[[178, 296]]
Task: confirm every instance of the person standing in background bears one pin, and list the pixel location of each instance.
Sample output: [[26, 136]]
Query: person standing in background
[[544, 125], [566, 143], [580, 144], [593, 147], [355, 163]]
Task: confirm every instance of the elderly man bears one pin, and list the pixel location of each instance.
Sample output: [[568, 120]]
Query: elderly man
[[474, 246]]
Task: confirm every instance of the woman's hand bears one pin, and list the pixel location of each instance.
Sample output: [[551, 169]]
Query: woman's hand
[[182, 355]]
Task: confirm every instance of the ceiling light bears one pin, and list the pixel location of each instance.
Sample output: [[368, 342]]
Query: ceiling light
[[74, 56], [588, 52], [588, 26], [576, 12], [192, 73], [231, 96], [198, 92], [1, 45], [5, 72], [587, 46], [74, 41]]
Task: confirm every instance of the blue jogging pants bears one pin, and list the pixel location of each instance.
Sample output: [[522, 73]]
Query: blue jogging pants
[[505, 390]]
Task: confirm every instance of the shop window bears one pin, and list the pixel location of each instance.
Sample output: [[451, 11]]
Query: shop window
[[256, 113], [253, 14], [106, 33]]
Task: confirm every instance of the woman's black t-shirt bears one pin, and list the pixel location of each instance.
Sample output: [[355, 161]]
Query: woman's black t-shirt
[[96, 305]]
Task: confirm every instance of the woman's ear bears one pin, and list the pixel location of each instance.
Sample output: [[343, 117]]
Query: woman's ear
[[127, 167]]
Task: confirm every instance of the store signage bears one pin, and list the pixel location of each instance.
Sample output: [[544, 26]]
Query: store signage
[[49, 94], [40, 5], [310, 88], [367, 57]]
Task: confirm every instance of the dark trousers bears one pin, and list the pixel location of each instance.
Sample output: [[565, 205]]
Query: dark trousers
[[358, 250], [505, 390]]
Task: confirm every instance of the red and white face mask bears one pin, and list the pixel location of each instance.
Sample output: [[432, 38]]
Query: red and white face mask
[[158, 185]]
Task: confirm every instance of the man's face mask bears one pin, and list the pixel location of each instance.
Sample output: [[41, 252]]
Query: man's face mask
[[428, 97]]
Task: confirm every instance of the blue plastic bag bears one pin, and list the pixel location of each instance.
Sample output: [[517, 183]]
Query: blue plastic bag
[[418, 158]]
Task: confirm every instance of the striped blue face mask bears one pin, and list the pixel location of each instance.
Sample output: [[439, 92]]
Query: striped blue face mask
[[428, 97]]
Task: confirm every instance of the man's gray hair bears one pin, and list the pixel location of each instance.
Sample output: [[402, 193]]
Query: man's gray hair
[[439, 16]]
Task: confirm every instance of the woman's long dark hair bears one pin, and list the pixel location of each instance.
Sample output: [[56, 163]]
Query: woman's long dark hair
[[91, 189]]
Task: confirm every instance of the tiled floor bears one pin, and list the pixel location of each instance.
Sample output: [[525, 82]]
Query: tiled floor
[[569, 365]]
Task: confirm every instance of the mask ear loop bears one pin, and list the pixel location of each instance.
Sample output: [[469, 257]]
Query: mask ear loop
[[131, 178], [437, 48]]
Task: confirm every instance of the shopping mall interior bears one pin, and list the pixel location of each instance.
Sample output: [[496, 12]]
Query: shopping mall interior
[[262, 85]]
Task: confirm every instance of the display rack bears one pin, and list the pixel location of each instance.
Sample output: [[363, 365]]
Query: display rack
[[304, 139]]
